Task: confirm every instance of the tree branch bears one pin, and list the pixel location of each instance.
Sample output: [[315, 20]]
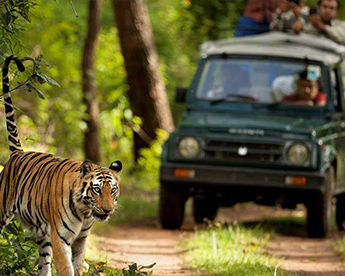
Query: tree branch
[[20, 85], [75, 13]]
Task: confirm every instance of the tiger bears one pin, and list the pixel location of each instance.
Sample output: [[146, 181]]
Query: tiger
[[57, 199]]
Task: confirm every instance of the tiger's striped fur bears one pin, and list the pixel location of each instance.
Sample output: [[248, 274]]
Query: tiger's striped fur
[[57, 199]]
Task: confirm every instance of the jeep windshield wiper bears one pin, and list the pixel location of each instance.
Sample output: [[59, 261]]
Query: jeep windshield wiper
[[236, 96], [273, 105]]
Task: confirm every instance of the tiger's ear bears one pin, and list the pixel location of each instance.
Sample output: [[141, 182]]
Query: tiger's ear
[[85, 168], [116, 166]]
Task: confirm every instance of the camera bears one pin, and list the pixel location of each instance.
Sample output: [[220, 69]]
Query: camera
[[313, 10]]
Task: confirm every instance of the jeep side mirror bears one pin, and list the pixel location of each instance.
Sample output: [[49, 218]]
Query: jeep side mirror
[[181, 94]]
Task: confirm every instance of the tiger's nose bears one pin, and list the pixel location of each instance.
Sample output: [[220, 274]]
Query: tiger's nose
[[106, 210]]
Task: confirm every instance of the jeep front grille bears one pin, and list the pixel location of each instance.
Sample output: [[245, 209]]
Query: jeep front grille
[[243, 151]]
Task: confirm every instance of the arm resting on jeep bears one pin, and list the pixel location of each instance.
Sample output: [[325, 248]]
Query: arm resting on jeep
[[336, 32]]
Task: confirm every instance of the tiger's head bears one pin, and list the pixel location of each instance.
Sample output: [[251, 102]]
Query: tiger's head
[[99, 189]]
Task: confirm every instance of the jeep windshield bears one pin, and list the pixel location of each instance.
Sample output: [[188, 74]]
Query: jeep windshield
[[262, 81]]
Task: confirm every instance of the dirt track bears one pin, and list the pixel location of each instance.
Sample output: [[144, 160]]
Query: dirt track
[[146, 243]]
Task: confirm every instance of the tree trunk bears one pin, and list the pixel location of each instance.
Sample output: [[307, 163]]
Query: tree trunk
[[147, 94], [90, 92]]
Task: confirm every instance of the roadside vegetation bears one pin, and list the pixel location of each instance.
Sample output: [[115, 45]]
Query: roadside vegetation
[[232, 250], [56, 124], [340, 247]]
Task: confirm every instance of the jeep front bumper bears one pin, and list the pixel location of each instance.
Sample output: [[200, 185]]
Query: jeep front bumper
[[196, 175]]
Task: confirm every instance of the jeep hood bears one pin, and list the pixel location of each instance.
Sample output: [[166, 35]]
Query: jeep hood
[[250, 124]]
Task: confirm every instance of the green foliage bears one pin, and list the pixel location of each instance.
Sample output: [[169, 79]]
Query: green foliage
[[340, 247], [101, 269], [19, 257], [214, 19], [14, 16], [149, 161], [231, 251], [135, 270], [34, 77], [18, 251]]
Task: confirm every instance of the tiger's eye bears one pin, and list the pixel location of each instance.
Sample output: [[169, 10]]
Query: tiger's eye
[[97, 190]]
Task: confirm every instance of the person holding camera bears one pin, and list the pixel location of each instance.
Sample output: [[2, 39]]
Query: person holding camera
[[324, 22], [287, 14]]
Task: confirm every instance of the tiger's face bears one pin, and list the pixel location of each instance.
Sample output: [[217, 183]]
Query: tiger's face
[[100, 189]]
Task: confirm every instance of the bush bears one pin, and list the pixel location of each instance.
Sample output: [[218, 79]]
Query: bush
[[18, 251]]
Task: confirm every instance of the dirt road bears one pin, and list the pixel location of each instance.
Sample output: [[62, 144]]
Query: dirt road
[[146, 243]]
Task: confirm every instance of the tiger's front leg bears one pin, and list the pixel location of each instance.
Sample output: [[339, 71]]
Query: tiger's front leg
[[79, 247], [45, 252], [62, 254], [78, 255]]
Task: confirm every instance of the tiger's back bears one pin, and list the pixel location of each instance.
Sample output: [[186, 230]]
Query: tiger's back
[[28, 185]]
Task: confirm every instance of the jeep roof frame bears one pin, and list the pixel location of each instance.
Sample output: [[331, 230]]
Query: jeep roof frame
[[276, 44]]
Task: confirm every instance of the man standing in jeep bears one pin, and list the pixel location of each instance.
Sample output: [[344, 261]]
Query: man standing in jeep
[[287, 14], [324, 23]]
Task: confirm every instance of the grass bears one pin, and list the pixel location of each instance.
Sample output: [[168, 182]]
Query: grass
[[239, 250], [231, 251], [340, 247]]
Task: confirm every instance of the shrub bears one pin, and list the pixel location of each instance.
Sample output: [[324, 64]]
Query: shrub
[[18, 251]]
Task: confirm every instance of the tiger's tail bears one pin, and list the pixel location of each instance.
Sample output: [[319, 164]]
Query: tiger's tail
[[13, 138]]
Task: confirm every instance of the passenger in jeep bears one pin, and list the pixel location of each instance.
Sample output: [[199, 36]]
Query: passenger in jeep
[[308, 92], [232, 80]]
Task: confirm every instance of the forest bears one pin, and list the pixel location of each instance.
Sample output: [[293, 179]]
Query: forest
[[53, 111], [51, 114]]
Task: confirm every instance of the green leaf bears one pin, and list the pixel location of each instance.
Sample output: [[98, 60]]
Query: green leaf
[[40, 78], [25, 15], [7, 18], [48, 80], [39, 93], [148, 266]]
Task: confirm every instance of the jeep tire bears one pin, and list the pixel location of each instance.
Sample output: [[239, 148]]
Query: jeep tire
[[205, 209], [319, 209], [171, 206], [340, 212]]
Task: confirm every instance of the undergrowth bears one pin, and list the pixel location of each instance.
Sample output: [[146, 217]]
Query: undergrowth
[[18, 251], [231, 251], [340, 247], [19, 257]]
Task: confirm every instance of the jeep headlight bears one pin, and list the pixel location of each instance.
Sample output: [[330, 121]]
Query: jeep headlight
[[298, 154], [188, 147]]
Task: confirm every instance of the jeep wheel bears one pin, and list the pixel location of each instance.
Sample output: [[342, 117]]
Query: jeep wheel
[[319, 210], [171, 207], [340, 212], [205, 208]]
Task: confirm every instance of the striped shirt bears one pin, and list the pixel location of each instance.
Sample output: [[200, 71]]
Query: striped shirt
[[283, 22]]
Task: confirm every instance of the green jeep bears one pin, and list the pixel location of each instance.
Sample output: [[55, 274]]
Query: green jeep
[[263, 122]]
